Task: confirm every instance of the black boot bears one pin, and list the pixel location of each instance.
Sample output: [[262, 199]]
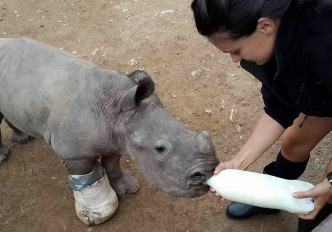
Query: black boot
[[282, 168], [239, 211]]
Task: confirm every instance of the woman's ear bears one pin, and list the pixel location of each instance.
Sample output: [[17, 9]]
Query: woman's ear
[[268, 26]]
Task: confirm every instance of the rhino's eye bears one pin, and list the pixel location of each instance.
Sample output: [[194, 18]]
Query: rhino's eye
[[160, 148]]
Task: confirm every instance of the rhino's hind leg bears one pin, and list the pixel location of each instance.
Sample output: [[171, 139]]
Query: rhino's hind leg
[[4, 152], [95, 200], [121, 180], [17, 135]]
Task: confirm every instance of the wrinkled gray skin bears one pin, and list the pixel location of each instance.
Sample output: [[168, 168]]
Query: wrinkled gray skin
[[85, 112]]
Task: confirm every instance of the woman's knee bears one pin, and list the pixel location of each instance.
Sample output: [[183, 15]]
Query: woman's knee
[[298, 142], [291, 144], [294, 147]]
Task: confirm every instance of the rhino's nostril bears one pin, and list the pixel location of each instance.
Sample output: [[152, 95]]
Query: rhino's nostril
[[160, 148], [199, 177]]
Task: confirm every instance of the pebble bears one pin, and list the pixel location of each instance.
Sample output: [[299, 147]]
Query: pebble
[[133, 62], [238, 128], [208, 111], [95, 51]]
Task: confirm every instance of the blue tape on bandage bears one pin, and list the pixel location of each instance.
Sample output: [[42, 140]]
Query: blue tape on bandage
[[79, 182]]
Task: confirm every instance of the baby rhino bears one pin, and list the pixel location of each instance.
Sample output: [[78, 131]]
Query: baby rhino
[[85, 112]]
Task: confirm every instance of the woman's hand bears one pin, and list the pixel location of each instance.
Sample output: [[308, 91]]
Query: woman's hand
[[321, 193], [222, 166]]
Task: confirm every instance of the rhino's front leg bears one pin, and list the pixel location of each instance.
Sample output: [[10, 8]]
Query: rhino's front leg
[[121, 180], [95, 200], [4, 153], [17, 135]]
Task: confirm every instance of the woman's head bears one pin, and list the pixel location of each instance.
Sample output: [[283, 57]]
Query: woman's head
[[244, 28], [235, 18]]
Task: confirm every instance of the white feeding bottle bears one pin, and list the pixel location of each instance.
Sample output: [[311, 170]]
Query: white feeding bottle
[[262, 190]]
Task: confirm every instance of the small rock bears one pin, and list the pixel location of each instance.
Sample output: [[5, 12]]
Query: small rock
[[167, 11], [133, 62], [231, 115], [95, 51], [208, 111]]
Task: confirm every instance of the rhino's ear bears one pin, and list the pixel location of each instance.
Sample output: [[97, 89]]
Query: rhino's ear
[[138, 75], [134, 96]]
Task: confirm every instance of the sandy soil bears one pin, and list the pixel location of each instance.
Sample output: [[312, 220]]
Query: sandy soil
[[197, 84]]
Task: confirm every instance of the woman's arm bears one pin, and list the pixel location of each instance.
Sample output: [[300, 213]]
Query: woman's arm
[[265, 134]]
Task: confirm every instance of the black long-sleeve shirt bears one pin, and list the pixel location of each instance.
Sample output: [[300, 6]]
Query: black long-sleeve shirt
[[299, 76]]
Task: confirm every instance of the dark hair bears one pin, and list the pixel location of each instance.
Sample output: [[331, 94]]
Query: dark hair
[[238, 17]]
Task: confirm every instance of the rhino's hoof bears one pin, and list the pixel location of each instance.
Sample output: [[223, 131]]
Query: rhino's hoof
[[3, 160], [20, 137], [126, 184], [4, 153]]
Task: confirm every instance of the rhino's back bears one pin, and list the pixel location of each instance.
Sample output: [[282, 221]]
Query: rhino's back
[[37, 68], [45, 90]]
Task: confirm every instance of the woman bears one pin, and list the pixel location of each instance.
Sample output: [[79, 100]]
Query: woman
[[287, 45]]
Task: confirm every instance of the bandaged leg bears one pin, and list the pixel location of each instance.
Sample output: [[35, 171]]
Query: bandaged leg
[[95, 200]]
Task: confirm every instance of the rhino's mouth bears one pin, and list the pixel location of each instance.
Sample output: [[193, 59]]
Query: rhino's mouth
[[198, 190], [196, 183], [200, 187]]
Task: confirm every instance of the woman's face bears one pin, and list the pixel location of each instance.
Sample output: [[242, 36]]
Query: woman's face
[[258, 47]]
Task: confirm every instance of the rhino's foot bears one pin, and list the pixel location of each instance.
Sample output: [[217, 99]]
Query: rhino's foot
[[96, 203], [20, 137], [125, 183], [4, 153]]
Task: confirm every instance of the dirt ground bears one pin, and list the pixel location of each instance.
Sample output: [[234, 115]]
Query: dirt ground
[[196, 83]]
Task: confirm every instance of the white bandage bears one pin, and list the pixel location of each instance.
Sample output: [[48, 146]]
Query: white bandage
[[96, 203]]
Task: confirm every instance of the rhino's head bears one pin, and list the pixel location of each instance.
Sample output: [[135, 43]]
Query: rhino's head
[[173, 158]]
